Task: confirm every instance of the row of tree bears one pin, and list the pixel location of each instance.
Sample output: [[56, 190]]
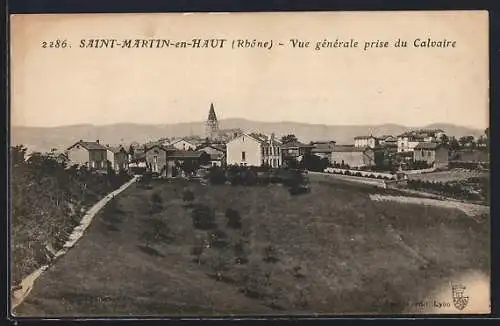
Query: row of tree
[[48, 199]]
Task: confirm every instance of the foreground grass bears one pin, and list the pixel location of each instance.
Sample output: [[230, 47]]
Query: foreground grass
[[330, 251]]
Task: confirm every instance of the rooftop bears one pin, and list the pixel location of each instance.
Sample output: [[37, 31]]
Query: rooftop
[[186, 154], [89, 145], [348, 148], [427, 145], [296, 144]]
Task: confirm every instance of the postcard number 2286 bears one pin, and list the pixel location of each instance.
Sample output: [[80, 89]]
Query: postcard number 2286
[[55, 44]]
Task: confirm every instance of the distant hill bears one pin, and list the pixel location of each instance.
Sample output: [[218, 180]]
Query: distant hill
[[45, 138]]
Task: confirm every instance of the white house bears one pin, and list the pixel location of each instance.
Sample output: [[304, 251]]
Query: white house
[[183, 145], [251, 151], [409, 140], [365, 141]]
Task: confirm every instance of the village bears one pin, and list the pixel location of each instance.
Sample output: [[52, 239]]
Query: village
[[393, 157], [226, 206]]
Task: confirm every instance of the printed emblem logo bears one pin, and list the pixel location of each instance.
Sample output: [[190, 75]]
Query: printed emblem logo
[[460, 301]]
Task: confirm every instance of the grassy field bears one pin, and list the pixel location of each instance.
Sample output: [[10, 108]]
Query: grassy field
[[332, 250], [448, 176]]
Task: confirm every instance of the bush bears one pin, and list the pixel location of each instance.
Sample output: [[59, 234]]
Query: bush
[[234, 218], [216, 175], [269, 255], [157, 231], [239, 251], [188, 195], [156, 203], [197, 251], [249, 178], [203, 218], [218, 239]]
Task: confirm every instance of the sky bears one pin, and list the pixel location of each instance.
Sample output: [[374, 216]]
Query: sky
[[334, 86]]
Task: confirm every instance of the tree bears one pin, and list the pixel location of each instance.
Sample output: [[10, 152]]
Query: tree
[[313, 163], [258, 135], [205, 158], [131, 151], [465, 140], [288, 138], [487, 132], [445, 140], [189, 166], [454, 144], [18, 154]]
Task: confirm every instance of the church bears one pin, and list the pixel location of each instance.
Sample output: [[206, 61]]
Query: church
[[213, 133]]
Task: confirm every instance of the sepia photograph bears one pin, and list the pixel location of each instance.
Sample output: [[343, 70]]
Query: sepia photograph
[[249, 164]]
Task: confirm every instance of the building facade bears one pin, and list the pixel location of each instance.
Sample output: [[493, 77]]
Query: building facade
[[295, 149], [118, 158], [90, 154], [432, 153], [251, 151], [354, 157], [365, 141], [217, 154], [323, 149], [156, 159], [409, 140], [183, 145], [271, 152]]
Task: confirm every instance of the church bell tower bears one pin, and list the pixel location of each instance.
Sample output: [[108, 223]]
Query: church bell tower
[[212, 125]]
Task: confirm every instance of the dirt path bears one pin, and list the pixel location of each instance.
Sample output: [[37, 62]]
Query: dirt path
[[18, 296], [472, 210]]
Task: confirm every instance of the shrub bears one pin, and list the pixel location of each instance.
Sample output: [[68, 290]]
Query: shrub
[[216, 175], [156, 203], [157, 231], [188, 195], [256, 283], [298, 190], [197, 251], [358, 174], [219, 239], [203, 218], [269, 254], [239, 251], [234, 218], [250, 178]]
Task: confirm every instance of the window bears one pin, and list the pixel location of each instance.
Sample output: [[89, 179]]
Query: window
[[243, 156]]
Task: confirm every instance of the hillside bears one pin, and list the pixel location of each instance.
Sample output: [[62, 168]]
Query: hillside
[[147, 254], [46, 138]]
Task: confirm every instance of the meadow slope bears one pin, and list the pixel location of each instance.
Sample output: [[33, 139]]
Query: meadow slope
[[330, 251]]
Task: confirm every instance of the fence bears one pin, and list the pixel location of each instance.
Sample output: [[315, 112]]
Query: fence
[[428, 170], [365, 174]]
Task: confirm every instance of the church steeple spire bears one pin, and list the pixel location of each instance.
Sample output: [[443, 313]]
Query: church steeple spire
[[212, 125], [211, 113]]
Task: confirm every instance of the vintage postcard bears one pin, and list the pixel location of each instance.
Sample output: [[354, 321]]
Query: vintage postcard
[[250, 164]]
